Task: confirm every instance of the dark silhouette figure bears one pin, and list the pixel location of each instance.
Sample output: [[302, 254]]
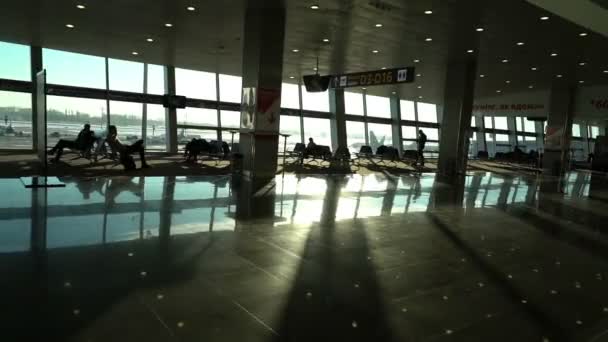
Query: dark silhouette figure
[[421, 144], [126, 150], [84, 141]]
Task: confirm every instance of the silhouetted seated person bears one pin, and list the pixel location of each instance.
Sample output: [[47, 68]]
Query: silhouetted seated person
[[125, 151], [196, 147], [84, 142]]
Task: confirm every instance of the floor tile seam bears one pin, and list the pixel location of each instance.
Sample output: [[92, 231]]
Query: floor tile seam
[[156, 315]]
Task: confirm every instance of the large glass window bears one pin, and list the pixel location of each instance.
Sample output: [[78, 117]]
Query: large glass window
[[185, 135], [126, 75], [14, 61], [156, 79], [353, 103], [197, 117], [473, 122], [594, 132], [378, 106], [431, 133], [74, 69], [379, 135], [519, 124], [230, 88], [529, 126], [319, 130], [408, 110], [290, 96], [355, 135], [409, 132], [67, 115], [15, 120], [576, 130], [155, 128], [127, 117], [487, 122], [195, 84], [500, 122], [230, 119], [315, 101], [291, 125], [427, 112]]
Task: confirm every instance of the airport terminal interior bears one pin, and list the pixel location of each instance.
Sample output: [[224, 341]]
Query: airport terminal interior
[[304, 170]]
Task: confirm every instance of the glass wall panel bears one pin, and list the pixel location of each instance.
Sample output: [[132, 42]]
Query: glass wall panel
[[230, 119], [355, 135], [519, 124], [315, 101], [427, 112], [576, 130], [231, 88], [409, 132], [431, 133], [290, 96], [594, 132], [319, 130], [353, 103], [74, 69], [126, 75], [14, 61], [379, 135], [529, 126], [473, 121], [408, 110], [185, 135], [290, 125], [195, 84], [378, 106], [16, 120], [67, 115], [500, 122], [487, 121], [127, 117], [197, 116], [156, 79], [156, 129]]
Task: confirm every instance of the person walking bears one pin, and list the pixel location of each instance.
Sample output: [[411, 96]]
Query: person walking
[[421, 144]]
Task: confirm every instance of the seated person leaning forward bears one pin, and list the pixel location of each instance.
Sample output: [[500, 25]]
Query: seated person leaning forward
[[126, 150], [84, 141]]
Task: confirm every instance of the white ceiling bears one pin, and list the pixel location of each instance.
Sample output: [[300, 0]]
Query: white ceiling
[[210, 38]]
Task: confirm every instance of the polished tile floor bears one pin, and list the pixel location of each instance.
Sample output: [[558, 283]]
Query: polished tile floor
[[304, 258]]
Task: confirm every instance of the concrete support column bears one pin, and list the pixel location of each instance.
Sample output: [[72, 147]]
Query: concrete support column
[[263, 43], [396, 124], [170, 113], [559, 135], [35, 67], [586, 144], [512, 127], [338, 119]]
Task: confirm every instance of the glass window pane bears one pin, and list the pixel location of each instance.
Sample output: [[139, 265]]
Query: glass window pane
[[353, 103], [315, 101], [231, 88], [291, 125], [195, 84], [487, 122], [529, 126], [427, 112], [518, 124], [290, 96], [155, 130], [319, 130], [67, 115], [197, 116], [500, 122], [502, 139], [489, 137], [16, 120], [126, 75], [230, 119], [74, 69], [379, 135], [14, 61], [408, 111], [409, 132], [431, 133], [127, 117], [595, 132], [355, 135], [156, 79], [378, 106], [576, 130], [473, 122], [185, 135]]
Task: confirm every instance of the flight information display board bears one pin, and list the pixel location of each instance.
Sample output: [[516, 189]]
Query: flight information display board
[[374, 78]]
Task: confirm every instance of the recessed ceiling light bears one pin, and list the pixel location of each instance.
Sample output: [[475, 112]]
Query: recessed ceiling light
[[135, 53], [429, 39], [581, 82], [69, 26], [295, 50], [499, 91], [419, 87], [507, 82], [79, 6], [505, 61], [479, 29], [383, 68], [530, 86], [191, 8], [482, 75], [315, 7], [605, 71], [292, 77], [583, 34], [418, 75], [315, 69], [420, 96], [375, 51], [428, 12], [168, 25], [150, 40], [378, 25], [326, 40], [553, 54], [534, 68], [416, 61], [470, 51], [582, 63], [520, 43], [544, 18], [394, 93], [560, 76], [363, 88]]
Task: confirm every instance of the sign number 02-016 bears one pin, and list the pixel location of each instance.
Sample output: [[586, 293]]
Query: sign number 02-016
[[376, 78]]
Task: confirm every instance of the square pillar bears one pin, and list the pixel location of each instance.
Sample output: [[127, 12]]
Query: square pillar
[[35, 67], [396, 124], [338, 119], [170, 113]]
